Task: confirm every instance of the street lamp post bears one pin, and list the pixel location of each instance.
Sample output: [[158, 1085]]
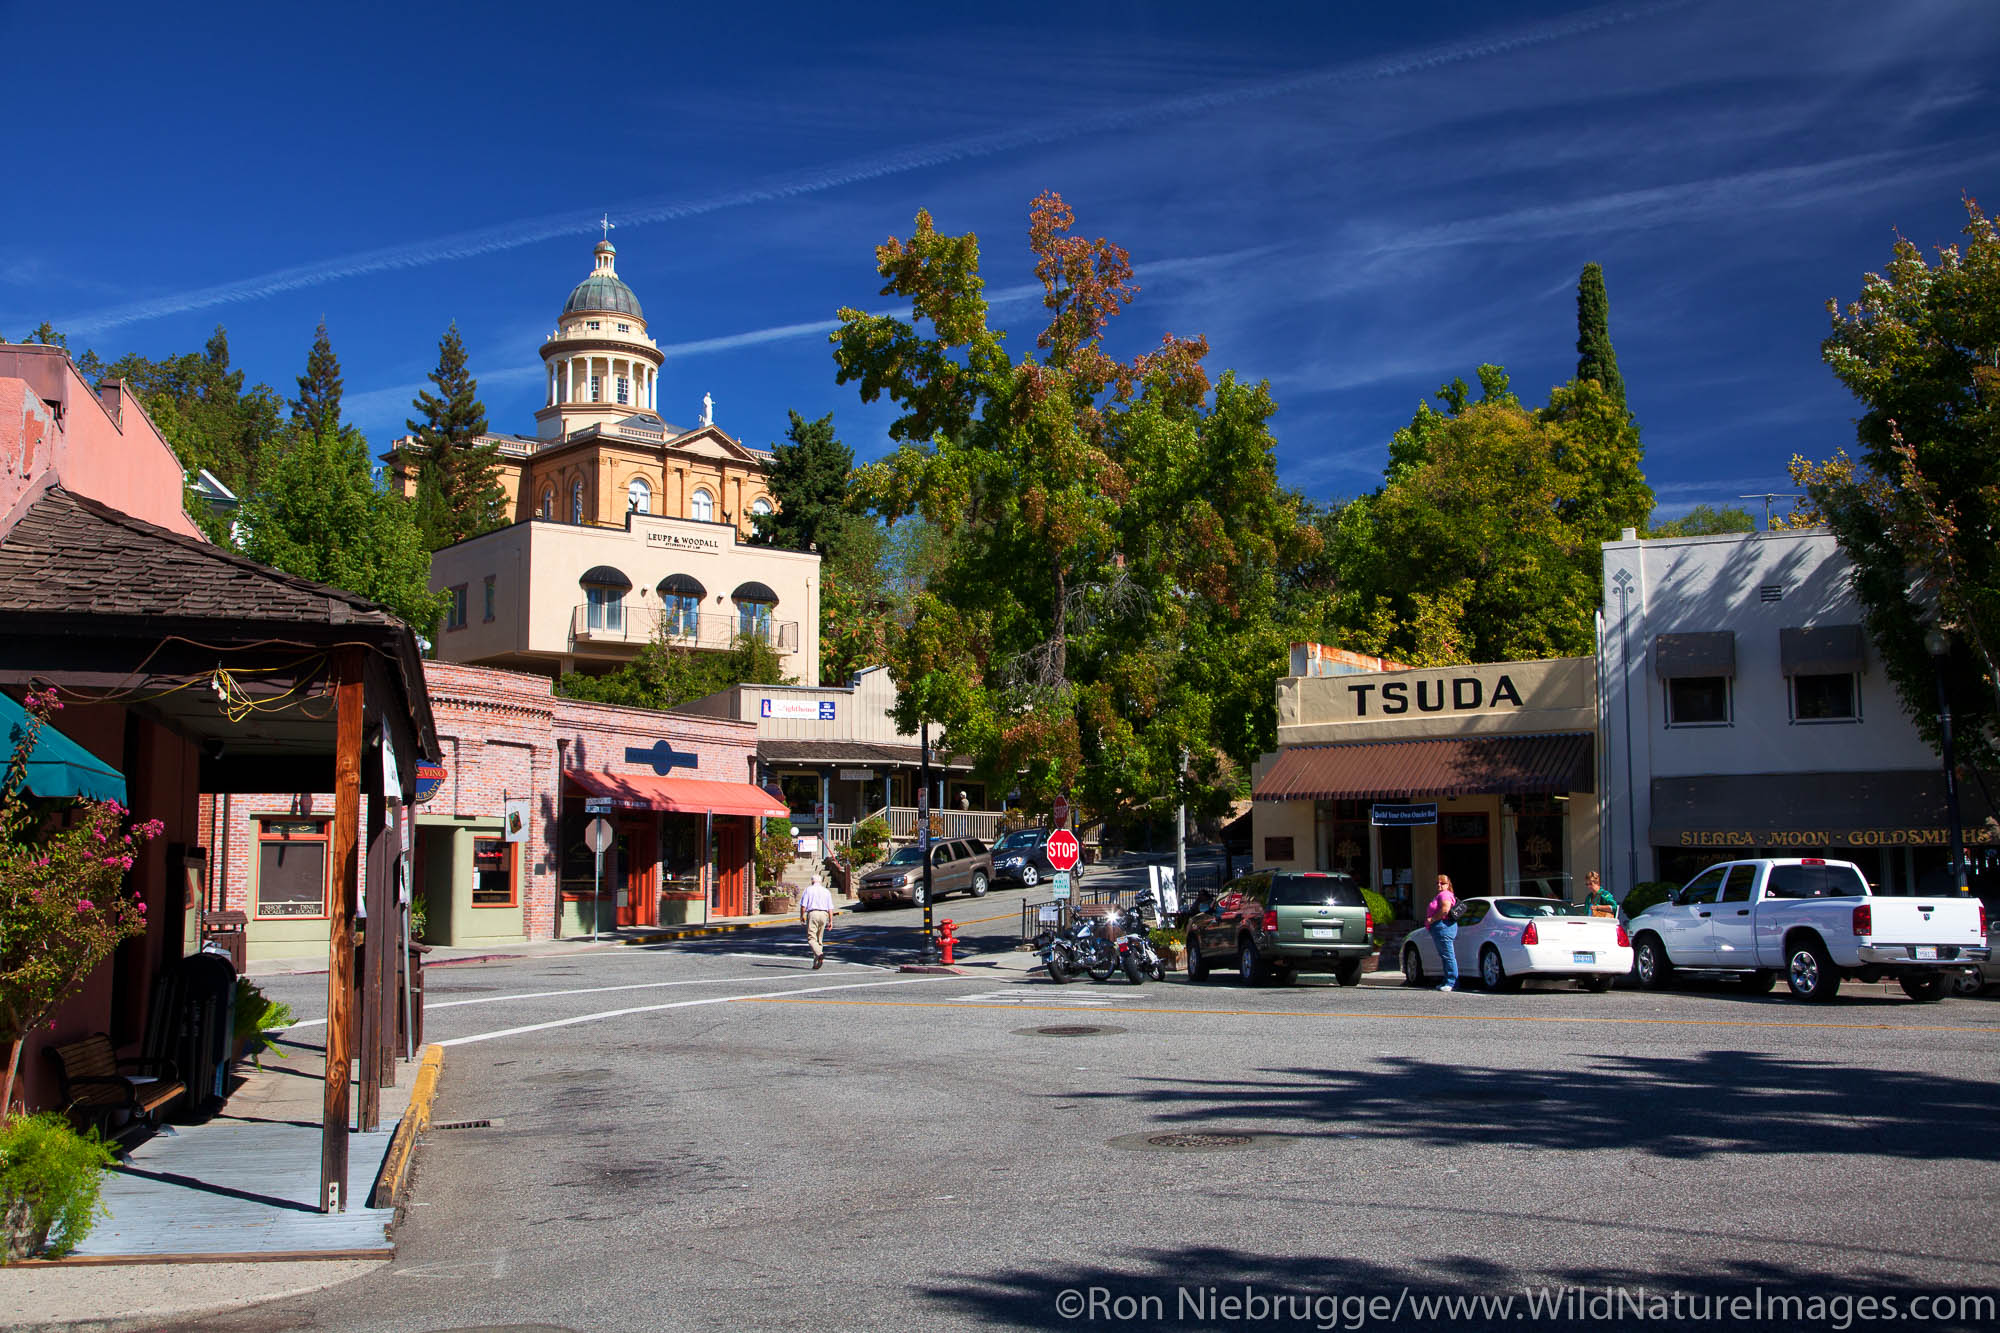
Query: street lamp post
[[1939, 646], [930, 949]]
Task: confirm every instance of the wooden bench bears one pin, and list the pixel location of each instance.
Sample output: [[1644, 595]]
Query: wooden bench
[[96, 1086]]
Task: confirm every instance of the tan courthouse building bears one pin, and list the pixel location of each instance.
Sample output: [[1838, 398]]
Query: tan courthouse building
[[626, 528], [1486, 773]]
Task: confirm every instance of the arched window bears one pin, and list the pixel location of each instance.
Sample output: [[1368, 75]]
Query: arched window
[[639, 496], [754, 604], [701, 505], [548, 502], [680, 605], [760, 505], [604, 590], [576, 502]]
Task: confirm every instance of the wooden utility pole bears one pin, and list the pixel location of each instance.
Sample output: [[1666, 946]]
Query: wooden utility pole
[[349, 697], [368, 1104]]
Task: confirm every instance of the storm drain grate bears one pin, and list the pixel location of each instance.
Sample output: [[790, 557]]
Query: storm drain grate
[[460, 1124]]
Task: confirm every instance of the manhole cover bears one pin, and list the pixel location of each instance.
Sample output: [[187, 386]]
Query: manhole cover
[[1070, 1030], [1187, 1140]]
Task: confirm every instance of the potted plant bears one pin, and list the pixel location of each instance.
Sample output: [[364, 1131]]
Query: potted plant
[[776, 901], [1170, 942], [257, 1016], [50, 1177], [869, 842]]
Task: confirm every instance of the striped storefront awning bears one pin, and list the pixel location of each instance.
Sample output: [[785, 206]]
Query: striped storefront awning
[[1542, 765]]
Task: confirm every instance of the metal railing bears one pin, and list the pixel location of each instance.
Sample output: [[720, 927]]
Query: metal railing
[[633, 626]]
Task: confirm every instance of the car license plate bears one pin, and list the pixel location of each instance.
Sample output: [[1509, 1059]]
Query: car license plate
[[1583, 958], [1320, 933], [1927, 953]]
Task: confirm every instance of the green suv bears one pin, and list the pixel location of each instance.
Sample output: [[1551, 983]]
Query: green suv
[[1274, 924]]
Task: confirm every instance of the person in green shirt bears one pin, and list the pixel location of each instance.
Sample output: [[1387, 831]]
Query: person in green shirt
[[1596, 894]]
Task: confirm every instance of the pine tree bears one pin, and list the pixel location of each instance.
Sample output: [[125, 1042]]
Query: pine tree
[[1594, 358], [317, 409], [459, 494], [809, 478]]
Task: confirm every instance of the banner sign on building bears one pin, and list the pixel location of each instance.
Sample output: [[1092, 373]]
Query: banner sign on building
[[519, 812], [430, 777], [797, 710], [857, 775], [1402, 816]]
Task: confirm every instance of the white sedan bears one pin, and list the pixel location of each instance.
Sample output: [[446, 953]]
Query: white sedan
[[1504, 940]]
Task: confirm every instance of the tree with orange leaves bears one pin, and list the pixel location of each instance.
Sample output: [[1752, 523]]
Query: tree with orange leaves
[[1110, 599]]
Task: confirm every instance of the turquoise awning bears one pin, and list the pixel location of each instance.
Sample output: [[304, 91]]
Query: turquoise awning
[[59, 766]]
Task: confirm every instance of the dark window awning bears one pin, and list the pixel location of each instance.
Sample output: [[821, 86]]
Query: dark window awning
[[1896, 808], [1826, 650], [1679, 656], [1541, 765], [604, 576], [681, 585], [58, 766], [755, 592]]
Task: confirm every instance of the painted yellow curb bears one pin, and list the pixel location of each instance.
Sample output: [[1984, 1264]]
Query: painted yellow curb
[[416, 1119]]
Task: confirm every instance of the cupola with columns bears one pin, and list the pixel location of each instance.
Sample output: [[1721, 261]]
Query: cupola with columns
[[601, 366]]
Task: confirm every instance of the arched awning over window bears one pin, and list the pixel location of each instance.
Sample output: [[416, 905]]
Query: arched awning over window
[[755, 592], [604, 576], [682, 585]]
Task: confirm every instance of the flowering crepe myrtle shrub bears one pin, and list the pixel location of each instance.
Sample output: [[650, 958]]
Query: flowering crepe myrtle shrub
[[64, 905]]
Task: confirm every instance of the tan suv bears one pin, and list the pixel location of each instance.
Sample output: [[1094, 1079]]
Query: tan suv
[[959, 864]]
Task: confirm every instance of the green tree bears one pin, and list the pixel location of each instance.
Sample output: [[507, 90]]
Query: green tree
[[316, 411], [203, 410], [1595, 360], [1919, 510], [1705, 521], [809, 477], [321, 512], [459, 494], [1101, 515], [664, 676]]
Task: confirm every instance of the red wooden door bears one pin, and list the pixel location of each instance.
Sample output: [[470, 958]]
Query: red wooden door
[[732, 854], [638, 865]]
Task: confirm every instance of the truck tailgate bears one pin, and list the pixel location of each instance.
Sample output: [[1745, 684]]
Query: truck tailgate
[[1932, 920]]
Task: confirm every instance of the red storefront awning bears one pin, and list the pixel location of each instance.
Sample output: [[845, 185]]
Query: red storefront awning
[[687, 796], [1455, 766]]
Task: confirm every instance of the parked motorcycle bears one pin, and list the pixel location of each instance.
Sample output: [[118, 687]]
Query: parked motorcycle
[[1099, 946]]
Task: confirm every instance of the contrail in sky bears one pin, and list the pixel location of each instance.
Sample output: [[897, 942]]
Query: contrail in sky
[[513, 235]]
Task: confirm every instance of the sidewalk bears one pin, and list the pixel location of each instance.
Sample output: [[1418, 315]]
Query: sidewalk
[[221, 1214]]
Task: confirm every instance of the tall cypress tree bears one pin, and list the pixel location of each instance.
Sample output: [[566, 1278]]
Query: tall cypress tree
[[317, 408], [459, 494], [1594, 358]]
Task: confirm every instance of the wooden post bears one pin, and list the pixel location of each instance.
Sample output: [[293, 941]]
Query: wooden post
[[348, 698], [368, 1107]]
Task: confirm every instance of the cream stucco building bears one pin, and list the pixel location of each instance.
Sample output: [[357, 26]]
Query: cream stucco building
[[625, 528], [1486, 773]]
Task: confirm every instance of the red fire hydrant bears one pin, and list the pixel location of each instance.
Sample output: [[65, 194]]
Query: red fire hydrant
[[947, 932]]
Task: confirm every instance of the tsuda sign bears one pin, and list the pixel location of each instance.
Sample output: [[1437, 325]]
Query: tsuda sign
[[1457, 694]]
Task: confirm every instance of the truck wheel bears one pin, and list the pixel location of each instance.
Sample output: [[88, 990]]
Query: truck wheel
[[1197, 966], [1759, 982], [1810, 973], [916, 895], [1413, 966], [1650, 963], [1927, 989], [1250, 965], [979, 884], [1348, 973]]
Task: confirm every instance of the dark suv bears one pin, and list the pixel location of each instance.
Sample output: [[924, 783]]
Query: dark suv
[[957, 864], [1274, 924], [1022, 857]]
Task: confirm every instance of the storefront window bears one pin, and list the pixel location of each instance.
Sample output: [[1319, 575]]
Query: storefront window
[[492, 872], [291, 867], [681, 852], [1540, 866], [1344, 838], [802, 798]]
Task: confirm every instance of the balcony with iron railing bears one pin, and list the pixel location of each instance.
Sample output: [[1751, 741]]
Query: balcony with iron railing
[[622, 626]]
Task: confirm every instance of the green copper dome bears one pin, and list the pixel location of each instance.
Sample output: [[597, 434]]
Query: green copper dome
[[606, 292]]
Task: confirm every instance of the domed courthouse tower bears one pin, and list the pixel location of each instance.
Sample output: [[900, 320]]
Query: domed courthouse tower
[[625, 529]]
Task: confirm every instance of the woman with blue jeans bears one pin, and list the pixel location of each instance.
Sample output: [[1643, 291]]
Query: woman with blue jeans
[[1444, 931]]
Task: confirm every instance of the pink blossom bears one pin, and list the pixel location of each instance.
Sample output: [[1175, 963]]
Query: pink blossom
[[83, 905], [142, 909]]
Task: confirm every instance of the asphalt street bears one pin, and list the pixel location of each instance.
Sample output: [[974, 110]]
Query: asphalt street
[[711, 1135]]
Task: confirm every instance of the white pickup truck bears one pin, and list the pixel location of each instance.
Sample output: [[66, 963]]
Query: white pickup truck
[[1813, 921]]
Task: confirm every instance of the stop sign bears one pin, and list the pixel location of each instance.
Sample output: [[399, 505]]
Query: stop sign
[[1064, 849]]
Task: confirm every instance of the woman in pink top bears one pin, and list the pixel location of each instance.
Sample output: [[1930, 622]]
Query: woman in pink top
[[1444, 931]]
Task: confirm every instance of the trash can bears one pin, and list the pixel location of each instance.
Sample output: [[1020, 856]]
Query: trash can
[[226, 933]]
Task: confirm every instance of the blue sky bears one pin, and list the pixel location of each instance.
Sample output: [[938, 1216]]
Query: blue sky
[[1354, 202]]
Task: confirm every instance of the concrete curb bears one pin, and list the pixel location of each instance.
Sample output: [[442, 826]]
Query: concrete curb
[[395, 1173]]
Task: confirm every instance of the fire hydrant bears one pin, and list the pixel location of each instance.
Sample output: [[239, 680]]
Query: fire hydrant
[[947, 933]]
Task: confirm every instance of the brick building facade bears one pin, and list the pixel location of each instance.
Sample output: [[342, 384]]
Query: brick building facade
[[511, 748]]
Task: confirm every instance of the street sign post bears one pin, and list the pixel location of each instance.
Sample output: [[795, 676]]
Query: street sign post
[[597, 805], [1064, 850], [599, 835]]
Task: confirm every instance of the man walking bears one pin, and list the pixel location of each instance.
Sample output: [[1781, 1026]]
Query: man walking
[[816, 909]]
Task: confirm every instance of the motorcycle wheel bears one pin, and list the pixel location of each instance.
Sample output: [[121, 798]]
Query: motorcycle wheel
[[1133, 973], [1100, 973], [1058, 972], [1159, 969]]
